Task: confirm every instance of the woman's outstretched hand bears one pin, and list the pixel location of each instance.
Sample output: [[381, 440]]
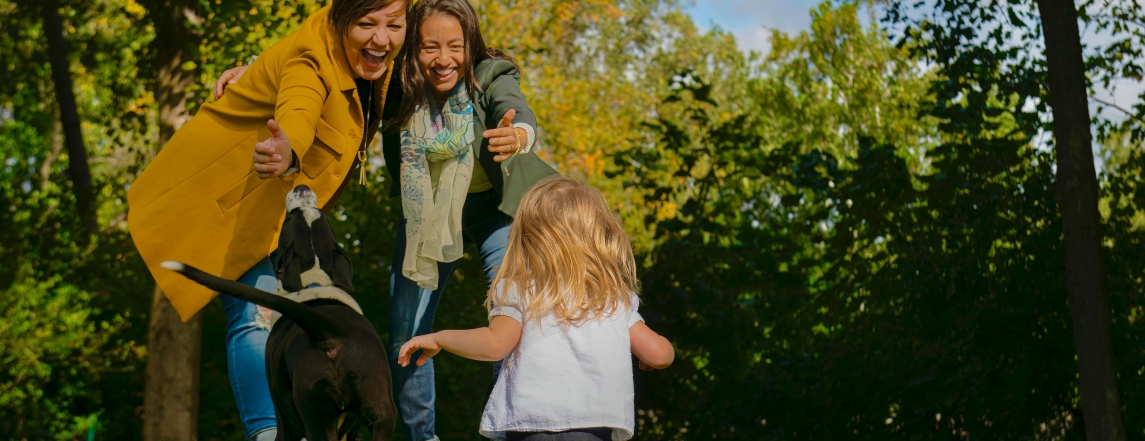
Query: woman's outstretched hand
[[428, 345], [229, 76], [273, 156], [505, 140]]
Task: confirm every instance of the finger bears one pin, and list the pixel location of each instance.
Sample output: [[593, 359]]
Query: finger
[[265, 168], [503, 132], [403, 354], [423, 359], [501, 158], [228, 77], [265, 148], [266, 175], [502, 141], [507, 120], [259, 158], [275, 130]]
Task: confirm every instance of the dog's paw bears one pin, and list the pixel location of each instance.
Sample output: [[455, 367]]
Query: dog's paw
[[172, 265]]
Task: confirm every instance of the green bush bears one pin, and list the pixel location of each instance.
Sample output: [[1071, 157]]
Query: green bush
[[54, 353]]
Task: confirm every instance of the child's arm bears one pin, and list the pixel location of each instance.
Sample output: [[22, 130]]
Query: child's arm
[[490, 343], [653, 350]]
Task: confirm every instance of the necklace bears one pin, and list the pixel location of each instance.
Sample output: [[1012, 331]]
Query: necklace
[[362, 156]]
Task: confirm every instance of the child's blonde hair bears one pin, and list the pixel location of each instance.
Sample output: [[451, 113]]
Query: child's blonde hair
[[567, 254]]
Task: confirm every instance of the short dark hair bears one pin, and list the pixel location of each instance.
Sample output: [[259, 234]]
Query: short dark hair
[[343, 13], [413, 81]]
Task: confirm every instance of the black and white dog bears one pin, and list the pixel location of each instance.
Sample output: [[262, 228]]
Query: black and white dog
[[323, 357]]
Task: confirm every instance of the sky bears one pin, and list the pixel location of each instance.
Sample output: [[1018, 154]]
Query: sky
[[751, 20]]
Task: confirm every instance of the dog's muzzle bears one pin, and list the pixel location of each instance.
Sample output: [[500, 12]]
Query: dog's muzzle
[[301, 197]]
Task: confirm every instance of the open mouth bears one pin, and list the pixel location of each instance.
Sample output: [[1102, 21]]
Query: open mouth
[[373, 58], [442, 74]]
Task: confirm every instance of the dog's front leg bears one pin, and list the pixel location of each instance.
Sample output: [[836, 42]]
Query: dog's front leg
[[383, 430], [320, 420], [376, 402], [325, 430]]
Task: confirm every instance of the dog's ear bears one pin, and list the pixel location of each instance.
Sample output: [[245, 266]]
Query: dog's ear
[[295, 254], [331, 258], [342, 273]]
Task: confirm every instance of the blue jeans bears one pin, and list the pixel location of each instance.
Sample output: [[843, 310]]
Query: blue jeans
[[412, 307], [246, 359]]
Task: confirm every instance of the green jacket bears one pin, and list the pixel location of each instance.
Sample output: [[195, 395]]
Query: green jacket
[[502, 85]]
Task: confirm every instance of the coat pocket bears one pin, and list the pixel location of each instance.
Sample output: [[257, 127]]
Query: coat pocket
[[239, 191], [316, 160], [328, 147], [330, 136]]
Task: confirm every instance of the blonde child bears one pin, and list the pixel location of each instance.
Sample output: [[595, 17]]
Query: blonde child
[[563, 316]]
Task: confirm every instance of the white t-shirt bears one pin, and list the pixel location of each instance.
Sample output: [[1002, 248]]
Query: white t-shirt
[[564, 377]]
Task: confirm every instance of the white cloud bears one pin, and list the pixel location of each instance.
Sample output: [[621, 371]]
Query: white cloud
[[750, 21]]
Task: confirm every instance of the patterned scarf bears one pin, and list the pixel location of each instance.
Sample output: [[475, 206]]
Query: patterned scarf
[[436, 167]]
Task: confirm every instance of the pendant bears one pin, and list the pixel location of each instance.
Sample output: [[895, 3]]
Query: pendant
[[362, 167]]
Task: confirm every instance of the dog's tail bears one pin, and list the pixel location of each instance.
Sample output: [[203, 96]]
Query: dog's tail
[[319, 327]]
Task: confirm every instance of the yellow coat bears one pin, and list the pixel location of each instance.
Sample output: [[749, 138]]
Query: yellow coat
[[201, 202]]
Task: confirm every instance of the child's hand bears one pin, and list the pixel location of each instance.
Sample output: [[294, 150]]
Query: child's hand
[[645, 367], [428, 345]]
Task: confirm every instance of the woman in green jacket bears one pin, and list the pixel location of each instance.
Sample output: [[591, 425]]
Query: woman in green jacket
[[463, 161]]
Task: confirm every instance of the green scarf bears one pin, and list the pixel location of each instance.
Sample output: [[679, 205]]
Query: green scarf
[[437, 165]]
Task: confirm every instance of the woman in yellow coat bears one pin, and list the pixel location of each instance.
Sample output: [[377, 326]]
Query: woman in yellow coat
[[214, 197]]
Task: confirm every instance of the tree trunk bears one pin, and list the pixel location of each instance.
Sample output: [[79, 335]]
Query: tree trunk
[[62, 80], [171, 396], [1081, 222], [57, 147]]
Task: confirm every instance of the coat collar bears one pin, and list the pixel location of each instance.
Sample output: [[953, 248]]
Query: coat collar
[[338, 56]]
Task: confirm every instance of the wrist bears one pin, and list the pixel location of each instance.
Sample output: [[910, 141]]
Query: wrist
[[435, 339], [292, 168], [528, 136], [521, 136]]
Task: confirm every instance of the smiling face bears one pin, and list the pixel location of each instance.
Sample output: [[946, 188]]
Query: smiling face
[[373, 41], [442, 53]]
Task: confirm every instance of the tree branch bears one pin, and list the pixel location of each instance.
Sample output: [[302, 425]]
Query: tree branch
[[1122, 109]]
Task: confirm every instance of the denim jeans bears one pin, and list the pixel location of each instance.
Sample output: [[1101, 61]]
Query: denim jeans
[[246, 359], [412, 308]]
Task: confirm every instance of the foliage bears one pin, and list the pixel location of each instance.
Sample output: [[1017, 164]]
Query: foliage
[[902, 284], [852, 236], [71, 302], [55, 353]]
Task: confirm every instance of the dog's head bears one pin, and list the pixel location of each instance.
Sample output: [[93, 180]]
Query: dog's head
[[308, 252]]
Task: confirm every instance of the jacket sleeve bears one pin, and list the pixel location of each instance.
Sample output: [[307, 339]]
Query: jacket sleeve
[[301, 94], [504, 93]]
